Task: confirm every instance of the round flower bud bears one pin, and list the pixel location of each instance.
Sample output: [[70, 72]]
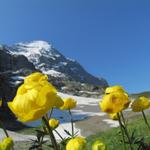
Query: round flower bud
[[7, 143], [140, 104], [53, 123], [77, 143], [98, 145], [112, 89], [69, 103]]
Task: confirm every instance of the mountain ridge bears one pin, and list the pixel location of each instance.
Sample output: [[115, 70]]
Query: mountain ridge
[[50, 61]]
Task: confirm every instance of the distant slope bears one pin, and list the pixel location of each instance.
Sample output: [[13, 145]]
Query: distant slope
[[146, 94]]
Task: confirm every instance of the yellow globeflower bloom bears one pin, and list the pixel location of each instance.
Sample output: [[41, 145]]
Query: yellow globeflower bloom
[[77, 143], [98, 145], [114, 102], [116, 88], [35, 77], [140, 104], [113, 116], [34, 98], [53, 123], [69, 103], [6, 144]]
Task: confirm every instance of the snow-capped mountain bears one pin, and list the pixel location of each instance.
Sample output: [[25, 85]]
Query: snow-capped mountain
[[67, 75], [50, 61]]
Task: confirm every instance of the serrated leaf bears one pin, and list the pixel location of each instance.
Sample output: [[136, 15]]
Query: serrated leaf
[[68, 132]]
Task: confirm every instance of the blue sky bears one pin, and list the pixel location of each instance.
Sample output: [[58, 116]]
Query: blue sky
[[110, 38]]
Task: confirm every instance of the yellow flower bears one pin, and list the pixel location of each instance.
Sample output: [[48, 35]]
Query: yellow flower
[[77, 143], [1, 102], [6, 144], [114, 102], [69, 103], [113, 116], [116, 88], [35, 77], [53, 123], [34, 98], [98, 145], [140, 104]]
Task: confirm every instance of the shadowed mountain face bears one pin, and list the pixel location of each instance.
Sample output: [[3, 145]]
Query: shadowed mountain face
[[9, 62], [12, 70]]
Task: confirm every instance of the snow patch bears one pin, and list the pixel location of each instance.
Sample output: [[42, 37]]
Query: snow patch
[[111, 123], [20, 78], [53, 73], [15, 83], [70, 59], [63, 63], [74, 69], [89, 92], [34, 50], [16, 136]]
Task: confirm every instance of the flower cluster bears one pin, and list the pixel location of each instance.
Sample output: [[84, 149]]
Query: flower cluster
[[36, 97], [114, 101]]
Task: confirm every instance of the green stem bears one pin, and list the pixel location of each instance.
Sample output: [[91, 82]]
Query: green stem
[[51, 112], [41, 141], [145, 119], [126, 132], [120, 124], [59, 134], [4, 129], [52, 137], [72, 126], [46, 116], [123, 119]]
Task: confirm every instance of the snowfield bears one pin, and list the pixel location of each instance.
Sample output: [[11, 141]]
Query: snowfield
[[16, 136]]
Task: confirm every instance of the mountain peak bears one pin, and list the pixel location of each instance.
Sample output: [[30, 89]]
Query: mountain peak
[[34, 50], [36, 47], [36, 44]]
